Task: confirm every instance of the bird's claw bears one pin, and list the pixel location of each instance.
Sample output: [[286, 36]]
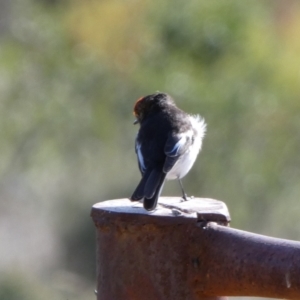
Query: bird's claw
[[185, 197]]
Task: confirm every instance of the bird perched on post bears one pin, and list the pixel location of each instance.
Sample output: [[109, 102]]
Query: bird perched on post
[[166, 145]]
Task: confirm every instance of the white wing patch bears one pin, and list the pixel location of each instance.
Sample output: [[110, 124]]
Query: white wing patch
[[140, 157], [175, 150]]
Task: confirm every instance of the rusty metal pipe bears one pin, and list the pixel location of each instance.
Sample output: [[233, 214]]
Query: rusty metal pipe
[[248, 264], [175, 253]]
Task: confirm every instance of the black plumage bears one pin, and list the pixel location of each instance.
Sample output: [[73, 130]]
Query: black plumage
[[165, 136]]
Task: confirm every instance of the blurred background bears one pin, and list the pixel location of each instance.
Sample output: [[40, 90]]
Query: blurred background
[[70, 72]]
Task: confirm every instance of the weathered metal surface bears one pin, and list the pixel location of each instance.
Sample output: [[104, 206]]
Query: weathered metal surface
[[248, 265], [167, 210], [148, 256], [175, 253]]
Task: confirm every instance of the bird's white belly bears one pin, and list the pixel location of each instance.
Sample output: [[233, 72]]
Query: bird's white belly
[[186, 161]]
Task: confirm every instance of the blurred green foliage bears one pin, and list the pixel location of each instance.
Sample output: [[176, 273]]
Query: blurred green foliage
[[70, 74]]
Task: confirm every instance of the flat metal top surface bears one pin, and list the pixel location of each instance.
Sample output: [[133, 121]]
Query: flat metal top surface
[[194, 208]]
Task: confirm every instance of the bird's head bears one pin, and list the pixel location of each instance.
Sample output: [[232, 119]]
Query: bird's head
[[148, 104]]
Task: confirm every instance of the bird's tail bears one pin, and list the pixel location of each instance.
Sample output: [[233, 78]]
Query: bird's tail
[[139, 194], [149, 188], [153, 189]]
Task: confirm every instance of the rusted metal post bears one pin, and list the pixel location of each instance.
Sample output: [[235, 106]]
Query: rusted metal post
[[151, 256], [183, 251]]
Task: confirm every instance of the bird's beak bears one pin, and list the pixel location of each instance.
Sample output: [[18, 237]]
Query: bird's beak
[[135, 122]]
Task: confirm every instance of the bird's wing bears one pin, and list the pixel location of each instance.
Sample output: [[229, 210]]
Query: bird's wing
[[151, 183], [176, 145], [140, 156]]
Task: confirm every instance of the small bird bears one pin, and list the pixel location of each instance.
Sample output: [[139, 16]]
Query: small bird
[[166, 145]]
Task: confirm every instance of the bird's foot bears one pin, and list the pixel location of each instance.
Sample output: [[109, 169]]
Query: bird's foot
[[184, 197]]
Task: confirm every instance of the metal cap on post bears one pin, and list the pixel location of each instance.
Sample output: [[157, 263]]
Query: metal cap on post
[[152, 255]]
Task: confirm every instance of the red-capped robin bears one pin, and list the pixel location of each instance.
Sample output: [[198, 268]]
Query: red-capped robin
[[166, 145]]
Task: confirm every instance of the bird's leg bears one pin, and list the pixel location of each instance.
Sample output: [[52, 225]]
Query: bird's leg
[[184, 195]]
